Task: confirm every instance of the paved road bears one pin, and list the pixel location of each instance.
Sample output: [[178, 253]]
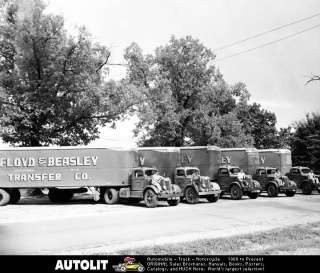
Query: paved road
[[83, 227]]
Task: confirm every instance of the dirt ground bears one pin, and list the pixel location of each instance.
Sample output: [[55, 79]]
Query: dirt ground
[[35, 226]]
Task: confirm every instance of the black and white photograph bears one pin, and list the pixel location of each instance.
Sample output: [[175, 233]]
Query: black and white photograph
[[160, 135]]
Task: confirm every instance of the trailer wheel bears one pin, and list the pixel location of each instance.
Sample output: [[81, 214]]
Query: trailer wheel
[[213, 198], [150, 198], [290, 193], [15, 196], [174, 202], [4, 197], [111, 196], [306, 188], [191, 196], [236, 192], [272, 190]]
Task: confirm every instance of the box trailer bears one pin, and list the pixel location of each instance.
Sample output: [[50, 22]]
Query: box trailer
[[276, 158], [67, 170], [246, 159], [206, 158]]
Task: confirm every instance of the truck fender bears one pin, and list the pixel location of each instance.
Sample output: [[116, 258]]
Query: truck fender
[[191, 186], [274, 183], [152, 187], [235, 183], [176, 188]]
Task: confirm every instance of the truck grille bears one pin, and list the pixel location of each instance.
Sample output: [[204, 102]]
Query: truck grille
[[165, 184]]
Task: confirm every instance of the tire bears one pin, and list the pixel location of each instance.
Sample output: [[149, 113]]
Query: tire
[[4, 197], [236, 192], [306, 188], [15, 196], [140, 268], [213, 198], [272, 190], [111, 196], [253, 195], [60, 196], [174, 202], [191, 196], [290, 193], [150, 198]]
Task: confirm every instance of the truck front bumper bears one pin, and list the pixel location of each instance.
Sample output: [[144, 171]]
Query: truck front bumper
[[291, 188], [169, 195], [209, 192]]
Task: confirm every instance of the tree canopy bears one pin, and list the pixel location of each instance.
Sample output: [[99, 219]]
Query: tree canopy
[[305, 142], [188, 102], [52, 88]]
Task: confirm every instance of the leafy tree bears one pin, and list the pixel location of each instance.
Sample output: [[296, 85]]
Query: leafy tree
[[260, 124], [52, 88], [185, 99], [306, 142]]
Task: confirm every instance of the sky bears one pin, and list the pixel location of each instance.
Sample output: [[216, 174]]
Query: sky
[[275, 75]]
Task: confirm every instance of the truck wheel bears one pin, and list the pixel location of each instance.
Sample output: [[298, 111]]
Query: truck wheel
[[14, 196], [213, 198], [191, 196], [150, 198], [236, 192], [272, 190], [290, 193], [174, 202], [4, 197], [111, 196], [306, 188], [253, 195]]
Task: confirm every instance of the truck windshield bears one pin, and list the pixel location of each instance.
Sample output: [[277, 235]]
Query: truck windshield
[[234, 170], [150, 172], [191, 171], [271, 171], [305, 170]]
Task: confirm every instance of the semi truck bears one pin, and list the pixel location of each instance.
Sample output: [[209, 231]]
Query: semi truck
[[63, 171], [273, 184]]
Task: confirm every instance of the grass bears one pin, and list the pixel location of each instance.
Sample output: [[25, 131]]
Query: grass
[[289, 240]]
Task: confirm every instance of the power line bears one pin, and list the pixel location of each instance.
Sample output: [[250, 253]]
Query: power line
[[269, 43], [265, 32]]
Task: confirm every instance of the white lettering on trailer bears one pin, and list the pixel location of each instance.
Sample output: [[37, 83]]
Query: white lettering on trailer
[[141, 159], [68, 161], [226, 160], [17, 162], [49, 161], [262, 160], [21, 177]]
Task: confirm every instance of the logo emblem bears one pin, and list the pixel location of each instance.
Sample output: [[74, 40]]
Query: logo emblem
[[262, 160], [129, 264]]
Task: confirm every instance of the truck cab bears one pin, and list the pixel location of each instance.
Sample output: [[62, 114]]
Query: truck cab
[[142, 187], [305, 179], [230, 181], [273, 183], [194, 186]]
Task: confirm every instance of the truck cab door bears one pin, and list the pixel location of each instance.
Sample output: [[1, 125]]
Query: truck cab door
[[180, 179], [137, 180], [224, 179], [263, 178]]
